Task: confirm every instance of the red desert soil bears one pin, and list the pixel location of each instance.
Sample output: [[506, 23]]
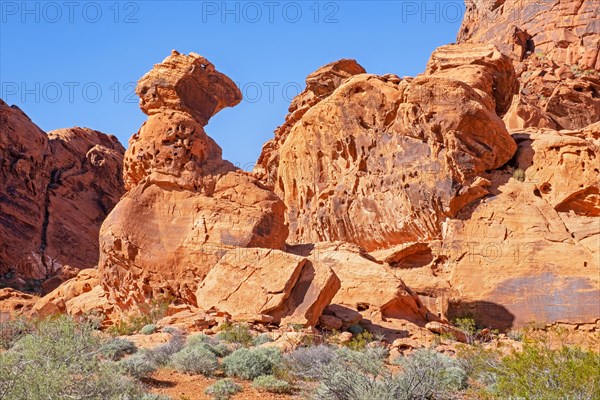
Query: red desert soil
[[191, 387]]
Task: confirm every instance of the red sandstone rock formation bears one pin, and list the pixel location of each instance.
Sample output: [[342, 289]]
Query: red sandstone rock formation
[[186, 206], [556, 48], [55, 191], [529, 252], [383, 161]]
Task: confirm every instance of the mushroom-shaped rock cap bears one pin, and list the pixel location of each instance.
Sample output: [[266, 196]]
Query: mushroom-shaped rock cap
[[188, 83]]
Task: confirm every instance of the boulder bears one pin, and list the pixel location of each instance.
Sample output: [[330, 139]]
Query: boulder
[[366, 285], [565, 31], [347, 316], [78, 296], [24, 178], [319, 85], [258, 282], [446, 329]]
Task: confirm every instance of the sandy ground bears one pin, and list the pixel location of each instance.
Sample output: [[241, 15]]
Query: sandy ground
[[191, 387]]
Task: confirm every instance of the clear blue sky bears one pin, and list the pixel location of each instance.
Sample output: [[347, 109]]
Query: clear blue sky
[[55, 56]]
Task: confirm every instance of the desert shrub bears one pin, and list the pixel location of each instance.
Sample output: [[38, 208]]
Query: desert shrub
[[515, 335], [236, 333], [195, 360], [360, 340], [269, 383], [211, 344], [152, 396], [133, 323], [129, 326], [200, 338], [370, 360], [59, 360], [137, 366], [310, 363], [252, 363], [117, 348], [346, 382], [468, 326], [427, 374], [223, 389], [519, 174], [480, 363], [148, 329], [539, 372], [13, 330], [262, 339], [161, 355], [357, 375], [356, 329]]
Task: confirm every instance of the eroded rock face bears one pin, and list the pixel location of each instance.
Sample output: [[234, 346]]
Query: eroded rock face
[[567, 31], [85, 185], [56, 190], [555, 45], [528, 253], [24, 180], [382, 161], [186, 206], [319, 85]]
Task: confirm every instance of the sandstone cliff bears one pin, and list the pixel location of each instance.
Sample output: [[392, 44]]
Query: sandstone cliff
[[55, 191]]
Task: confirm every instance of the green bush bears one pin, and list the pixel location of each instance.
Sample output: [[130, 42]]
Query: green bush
[[252, 363], [269, 383], [117, 348], [59, 360], [427, 374], [223, 389], [148, 329], [310, 363], [360, 341], [539, 372], [196, 360], [370, 360], [262, 339], [200, 338], [161, 355], [212, 344], [236, 333], [137, 366], [519, 174]]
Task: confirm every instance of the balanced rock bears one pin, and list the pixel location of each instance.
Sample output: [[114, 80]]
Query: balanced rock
[[186, 206]]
